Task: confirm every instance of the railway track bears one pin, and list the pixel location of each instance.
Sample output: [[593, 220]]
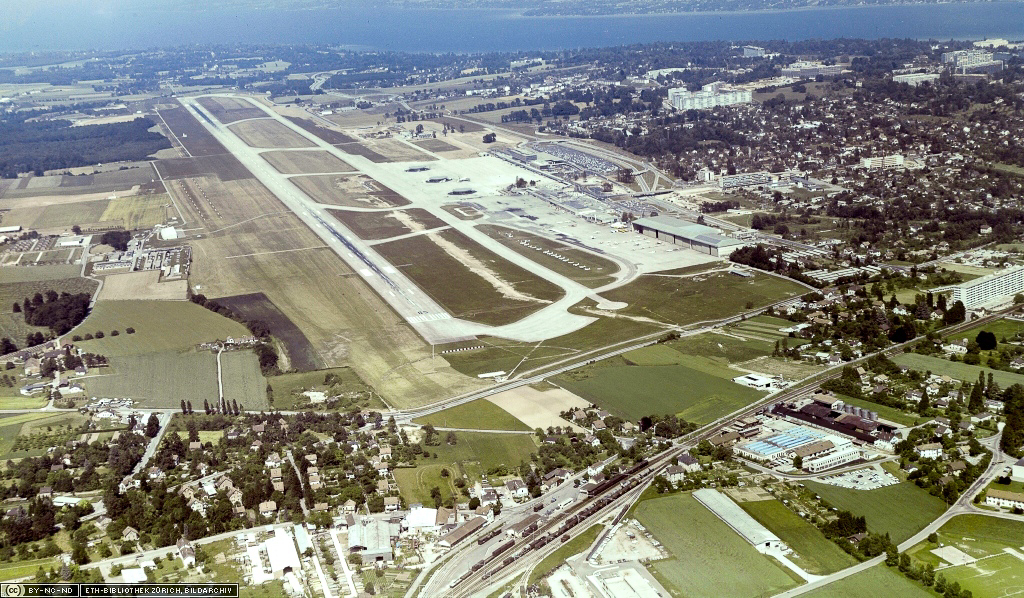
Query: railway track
[[611, 493]]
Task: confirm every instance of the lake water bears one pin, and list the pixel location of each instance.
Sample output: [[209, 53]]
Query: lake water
[[128, 24]]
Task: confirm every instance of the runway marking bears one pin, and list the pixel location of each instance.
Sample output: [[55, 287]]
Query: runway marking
[[231, 257]]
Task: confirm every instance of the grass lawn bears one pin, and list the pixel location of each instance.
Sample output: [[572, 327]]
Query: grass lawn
[[571, 548], [19, 569], [876, 581], [159, 326], [476, 415], [211, 436], [461, 291], [700, 391], [288, 388], [993, 577], [474, 454], [683, 301], [721, 346], [708, 558], [960, 371], [817, 554], [1000, 328], [901, 510], [20, 401]]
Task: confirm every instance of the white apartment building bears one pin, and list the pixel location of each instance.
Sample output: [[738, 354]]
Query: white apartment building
[[711, 95], [991, 288], [915, 79], [805, 69], [893, 161], [965, 60]]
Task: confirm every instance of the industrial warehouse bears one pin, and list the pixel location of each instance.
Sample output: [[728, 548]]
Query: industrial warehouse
[[693, 236]]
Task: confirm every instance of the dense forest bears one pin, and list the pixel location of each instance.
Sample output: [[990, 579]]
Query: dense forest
[[60, 313], [40, 146]]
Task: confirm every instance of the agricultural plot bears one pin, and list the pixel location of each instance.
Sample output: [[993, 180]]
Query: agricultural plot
[[473, 455], [229, 110], [69, 214], [815, 553], [383, 225], [160, 326], [476, 415], [879, 580], [301, 355], [478, 285], [708, 558], [354, 191], [395, 150], [138, 212], [145, 284], [682, 301], [12, 426], [900, 510], [960, 371], [306, 162], [344, 320], [700, 391], [268, 133], [243, 381], [158, 379], [600, 271]]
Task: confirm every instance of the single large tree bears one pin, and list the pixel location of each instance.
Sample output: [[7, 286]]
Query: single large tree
[[152, 426]]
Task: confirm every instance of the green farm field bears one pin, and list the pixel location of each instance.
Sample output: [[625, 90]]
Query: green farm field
[[475, 415], [159, 326], [159, 379], [708, 558], [960, 371], [464, 293], [901, 510], [243, 381], [682, 301], [474, 454], [879, 580], [700, 391], [815, 553], [11, 426]]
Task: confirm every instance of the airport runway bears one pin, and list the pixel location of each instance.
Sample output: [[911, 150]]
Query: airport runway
[[427, 317]]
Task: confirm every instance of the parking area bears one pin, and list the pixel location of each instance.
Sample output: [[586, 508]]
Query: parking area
[[862, 479]]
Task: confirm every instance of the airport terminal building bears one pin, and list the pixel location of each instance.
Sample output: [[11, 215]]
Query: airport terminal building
[[693, 236]]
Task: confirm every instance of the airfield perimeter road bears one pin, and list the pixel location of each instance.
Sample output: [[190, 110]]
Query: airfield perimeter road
[[431, 320]]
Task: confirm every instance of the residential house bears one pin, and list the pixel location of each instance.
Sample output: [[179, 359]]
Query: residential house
[[516, 488], [391, 504], [130, 534], [268, 508]]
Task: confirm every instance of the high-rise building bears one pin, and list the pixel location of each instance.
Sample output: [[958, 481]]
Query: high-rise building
[[711, 95], [988, 289], [967, 61], [753, 52]]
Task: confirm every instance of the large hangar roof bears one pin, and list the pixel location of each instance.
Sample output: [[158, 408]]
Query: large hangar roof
[[687, 230]]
